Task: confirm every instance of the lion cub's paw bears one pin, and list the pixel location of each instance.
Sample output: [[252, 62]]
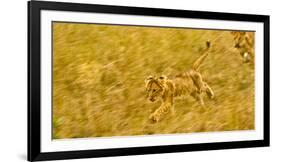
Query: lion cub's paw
[[154, 117]]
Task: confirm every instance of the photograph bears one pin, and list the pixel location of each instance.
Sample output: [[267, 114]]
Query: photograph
[[108, 80], [135, 80]]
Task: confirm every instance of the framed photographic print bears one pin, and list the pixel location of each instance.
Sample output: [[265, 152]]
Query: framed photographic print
[[115, 80]]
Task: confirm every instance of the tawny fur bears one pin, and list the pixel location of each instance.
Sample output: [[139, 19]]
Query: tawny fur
[[187, 83]]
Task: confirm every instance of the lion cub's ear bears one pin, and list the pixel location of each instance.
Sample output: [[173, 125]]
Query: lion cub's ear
[[146, 81], [162, 79]]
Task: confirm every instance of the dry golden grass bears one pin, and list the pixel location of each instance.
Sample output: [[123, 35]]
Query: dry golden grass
[[99, 72]]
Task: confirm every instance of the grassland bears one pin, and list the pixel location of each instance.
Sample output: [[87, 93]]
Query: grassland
[[99, 73]]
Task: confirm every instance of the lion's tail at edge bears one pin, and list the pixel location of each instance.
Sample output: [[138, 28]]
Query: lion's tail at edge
[[198, 62]]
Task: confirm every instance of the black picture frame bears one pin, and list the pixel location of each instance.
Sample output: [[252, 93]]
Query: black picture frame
[[34, 80]]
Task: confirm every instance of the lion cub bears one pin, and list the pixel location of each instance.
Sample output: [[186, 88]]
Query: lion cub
[[187, 83]]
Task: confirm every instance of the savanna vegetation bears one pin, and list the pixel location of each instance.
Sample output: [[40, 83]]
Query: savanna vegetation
[[99, 73]]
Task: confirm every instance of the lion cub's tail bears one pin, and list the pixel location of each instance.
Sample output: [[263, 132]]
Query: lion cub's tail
[[198, 62]]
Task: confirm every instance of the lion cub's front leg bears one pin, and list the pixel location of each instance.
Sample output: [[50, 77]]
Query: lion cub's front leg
[[162, 110]]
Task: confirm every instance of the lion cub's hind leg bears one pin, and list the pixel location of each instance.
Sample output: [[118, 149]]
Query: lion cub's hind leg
[[209, 91], [198, 80], [198, 98]]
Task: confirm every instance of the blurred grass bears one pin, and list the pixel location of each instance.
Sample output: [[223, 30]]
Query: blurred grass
[[99, 72]]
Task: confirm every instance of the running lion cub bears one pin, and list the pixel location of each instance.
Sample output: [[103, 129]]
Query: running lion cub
[[186, 83]]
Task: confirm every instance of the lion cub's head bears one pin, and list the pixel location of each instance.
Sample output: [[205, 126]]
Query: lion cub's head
[[155, 87]]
